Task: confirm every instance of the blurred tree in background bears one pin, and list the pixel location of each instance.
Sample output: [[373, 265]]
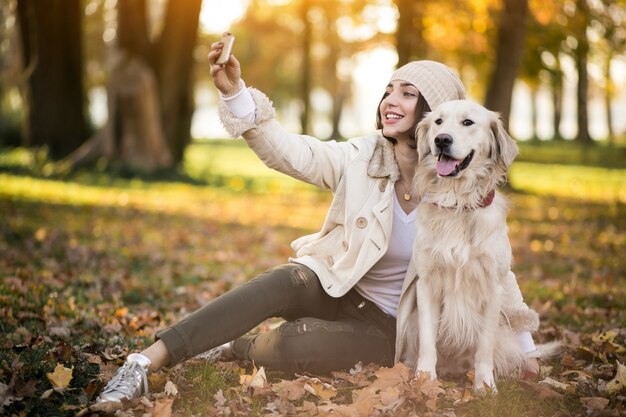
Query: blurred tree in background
[[147, 55], [53, 78]]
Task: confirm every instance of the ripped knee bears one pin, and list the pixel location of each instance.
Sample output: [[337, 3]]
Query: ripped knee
[[301, 276]]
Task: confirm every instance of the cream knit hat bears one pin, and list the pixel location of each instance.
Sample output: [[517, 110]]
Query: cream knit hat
[[435, 81]]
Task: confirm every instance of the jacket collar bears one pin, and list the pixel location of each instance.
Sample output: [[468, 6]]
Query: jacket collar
[[383, 161]]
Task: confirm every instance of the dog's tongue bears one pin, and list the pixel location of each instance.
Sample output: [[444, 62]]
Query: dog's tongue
[[445, 166]]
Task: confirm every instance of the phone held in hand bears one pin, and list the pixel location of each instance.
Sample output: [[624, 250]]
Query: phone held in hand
[[228, 41]]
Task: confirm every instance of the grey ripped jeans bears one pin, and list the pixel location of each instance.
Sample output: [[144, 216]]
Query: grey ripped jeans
[[321, 334]]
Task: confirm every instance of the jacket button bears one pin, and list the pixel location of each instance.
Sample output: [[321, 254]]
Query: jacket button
[[329, 261], [361, 222], [383, 184], [345, 245]]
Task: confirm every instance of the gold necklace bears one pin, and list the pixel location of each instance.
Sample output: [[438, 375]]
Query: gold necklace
[[407, 195]]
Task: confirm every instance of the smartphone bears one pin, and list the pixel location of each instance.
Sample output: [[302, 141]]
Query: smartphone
[[228, 41]]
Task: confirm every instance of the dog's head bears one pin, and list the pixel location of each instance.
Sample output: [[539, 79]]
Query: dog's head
[[464, 136]]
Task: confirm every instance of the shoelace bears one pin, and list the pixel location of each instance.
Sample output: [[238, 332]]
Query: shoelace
[[211, 355], [125, 379]]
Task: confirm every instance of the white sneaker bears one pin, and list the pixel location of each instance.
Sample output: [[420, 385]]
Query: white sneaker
[[222, 353], [130, 381]]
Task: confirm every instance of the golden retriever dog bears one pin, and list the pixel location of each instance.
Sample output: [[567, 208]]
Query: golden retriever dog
[[462, 248]]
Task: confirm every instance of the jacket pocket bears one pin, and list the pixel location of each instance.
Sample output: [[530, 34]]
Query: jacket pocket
[[328, 245]]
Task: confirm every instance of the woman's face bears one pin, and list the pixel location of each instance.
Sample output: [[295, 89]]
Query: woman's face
[[397, 110]]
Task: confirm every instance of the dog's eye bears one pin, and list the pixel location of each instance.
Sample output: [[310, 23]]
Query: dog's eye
[[467, 122], [438, 121]]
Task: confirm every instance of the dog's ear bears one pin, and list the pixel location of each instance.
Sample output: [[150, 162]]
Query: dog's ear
[[421, 137], [505, 149]]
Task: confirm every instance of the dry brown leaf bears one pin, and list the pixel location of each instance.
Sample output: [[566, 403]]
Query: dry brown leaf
[[289, 390], [61, 377], [558, 385], [391, 377], [364, 400], [598, 403], [163, 407], [60, 332], [432, 404], [543, 391], [108, 407], [431, 387]]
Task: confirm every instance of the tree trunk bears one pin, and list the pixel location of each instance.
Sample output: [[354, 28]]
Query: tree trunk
[[52, 55], [581, 54], [173, 69], [409, 39], [149, 90], [132, 136], [337, 87], [509, 49], [305, 80], [608, 96], [534, 115], [557, 100]]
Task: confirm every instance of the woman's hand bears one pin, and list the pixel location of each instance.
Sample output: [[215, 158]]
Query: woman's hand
[[225, 76]]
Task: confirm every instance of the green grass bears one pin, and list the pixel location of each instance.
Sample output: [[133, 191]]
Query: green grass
[[567, 152]]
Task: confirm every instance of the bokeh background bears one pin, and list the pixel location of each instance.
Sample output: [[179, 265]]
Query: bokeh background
[[135, 73]]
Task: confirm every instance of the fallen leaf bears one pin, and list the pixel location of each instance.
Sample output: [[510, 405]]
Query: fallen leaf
[[598, 403], [320, 389], [390, 396], [60, 332], [391, 377], [5, 395], [558, 385], [363, 401], [61, 376], [256, 380], [431, 387], [432, 404], [170, 389], [618, 383], [163, 407], [543, 391], [289, 390]]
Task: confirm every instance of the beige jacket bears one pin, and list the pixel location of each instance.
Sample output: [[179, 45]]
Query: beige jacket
[[361, 174]]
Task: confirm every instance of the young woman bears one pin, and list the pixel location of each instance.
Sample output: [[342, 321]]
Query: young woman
[[348, 295]]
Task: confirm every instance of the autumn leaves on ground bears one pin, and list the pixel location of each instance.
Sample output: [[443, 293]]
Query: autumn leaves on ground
[[93, 264]]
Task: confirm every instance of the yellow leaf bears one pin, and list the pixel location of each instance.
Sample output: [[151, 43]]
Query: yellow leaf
[[618, 383], [61, 376], [320, 389], [256, 380]]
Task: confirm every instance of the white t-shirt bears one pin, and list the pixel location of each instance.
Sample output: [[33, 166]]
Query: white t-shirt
[[382, 284]]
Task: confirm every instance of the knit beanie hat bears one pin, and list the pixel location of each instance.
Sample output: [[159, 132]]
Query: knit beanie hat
[[435, 81]]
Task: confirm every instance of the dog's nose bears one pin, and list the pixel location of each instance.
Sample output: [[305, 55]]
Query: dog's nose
[[443, 140]]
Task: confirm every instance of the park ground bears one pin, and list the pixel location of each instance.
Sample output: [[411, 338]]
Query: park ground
[[93, 262]]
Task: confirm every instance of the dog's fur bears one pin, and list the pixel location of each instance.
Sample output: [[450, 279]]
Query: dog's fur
[[462, 249]]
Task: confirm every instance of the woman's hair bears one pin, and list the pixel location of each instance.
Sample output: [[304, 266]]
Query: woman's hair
[[421, 108]]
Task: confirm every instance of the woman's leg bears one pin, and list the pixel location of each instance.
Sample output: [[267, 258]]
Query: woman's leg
[[290, 290], [361, 332]]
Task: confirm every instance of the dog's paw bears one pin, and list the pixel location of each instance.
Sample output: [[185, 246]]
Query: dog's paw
[[425, 374], [485, 384], [485, 390]]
